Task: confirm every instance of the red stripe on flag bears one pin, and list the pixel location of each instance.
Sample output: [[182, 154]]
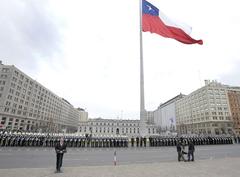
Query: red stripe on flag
[[154, 24]]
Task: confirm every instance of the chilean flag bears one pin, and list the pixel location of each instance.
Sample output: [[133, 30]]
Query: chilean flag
[[156, 22]]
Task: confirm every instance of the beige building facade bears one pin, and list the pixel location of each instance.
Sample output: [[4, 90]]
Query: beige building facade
[[234, 102], [205, 111], [28, 106]]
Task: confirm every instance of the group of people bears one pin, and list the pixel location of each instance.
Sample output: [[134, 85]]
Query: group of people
[[181, 151], [81, 141], [48, 140], [197, 140], [61, 142]]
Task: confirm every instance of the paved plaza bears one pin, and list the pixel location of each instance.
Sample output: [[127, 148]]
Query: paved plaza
[[210, 161], [226, 167]]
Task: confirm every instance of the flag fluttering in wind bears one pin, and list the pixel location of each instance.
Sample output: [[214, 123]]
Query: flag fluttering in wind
[[156, 22]]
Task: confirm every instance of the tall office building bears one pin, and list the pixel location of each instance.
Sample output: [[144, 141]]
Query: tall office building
[[234, 102], [205, 111], [165, 115], [27, 105]]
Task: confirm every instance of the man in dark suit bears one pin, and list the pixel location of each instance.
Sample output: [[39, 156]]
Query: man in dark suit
[[180, 151], [60, 149], [191, 150], [132, 141]]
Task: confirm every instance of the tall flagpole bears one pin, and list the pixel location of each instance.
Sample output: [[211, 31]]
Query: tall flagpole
[[142, 102]]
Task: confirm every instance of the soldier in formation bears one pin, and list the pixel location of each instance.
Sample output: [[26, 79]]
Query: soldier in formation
[[51, 140], [82, 141], [196, 140]]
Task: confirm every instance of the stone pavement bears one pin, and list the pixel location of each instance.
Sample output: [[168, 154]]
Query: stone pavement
[[225, 167]]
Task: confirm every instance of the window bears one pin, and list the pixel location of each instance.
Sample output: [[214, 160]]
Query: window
[[20, 82], [14, 79], [13, 111], [16, 73], [4, 76], [2, 82], [8, 103], [6, 109], [5, 70], [9, 97], [3, 120], [11, 91], [13, 85]]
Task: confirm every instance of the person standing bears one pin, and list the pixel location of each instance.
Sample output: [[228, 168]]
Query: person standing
[[179, 151], [132, 142], [60, 149], [191, 150]]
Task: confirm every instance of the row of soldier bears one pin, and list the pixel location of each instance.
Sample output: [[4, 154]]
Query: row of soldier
[[172, 141], [70, 141], [8, 139]]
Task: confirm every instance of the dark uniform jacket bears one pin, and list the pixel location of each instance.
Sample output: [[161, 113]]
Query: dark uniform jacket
[[191, 147], [179, 148], [60, 149]]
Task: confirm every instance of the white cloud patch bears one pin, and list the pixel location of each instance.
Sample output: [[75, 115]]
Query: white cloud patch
[[28, 33]]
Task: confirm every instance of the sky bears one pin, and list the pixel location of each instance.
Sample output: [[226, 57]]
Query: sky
[[88, 51]]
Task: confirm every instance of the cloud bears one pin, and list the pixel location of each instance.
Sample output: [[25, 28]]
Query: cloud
[[28, 32]]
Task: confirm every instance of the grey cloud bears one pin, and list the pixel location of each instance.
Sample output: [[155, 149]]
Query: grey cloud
[[28, 32]]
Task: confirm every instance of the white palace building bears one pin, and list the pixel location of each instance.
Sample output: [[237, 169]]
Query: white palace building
[[109, 127]]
